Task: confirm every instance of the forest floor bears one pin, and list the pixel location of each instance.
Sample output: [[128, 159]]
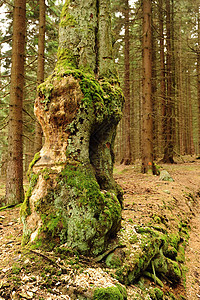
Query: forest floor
[[35, 275]]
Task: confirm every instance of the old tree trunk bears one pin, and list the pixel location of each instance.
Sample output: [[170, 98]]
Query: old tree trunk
[[73, 198]]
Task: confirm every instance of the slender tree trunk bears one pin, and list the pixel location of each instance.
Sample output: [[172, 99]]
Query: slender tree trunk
[[147, 121], [180, 108], [162, 73], [105, 51], [132, 114], [168, 150], [198, 74], [14, 184], [127, 159], [40, 68], [154, 97], [191, 141]]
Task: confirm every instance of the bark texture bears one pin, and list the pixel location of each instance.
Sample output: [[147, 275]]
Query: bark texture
[[198, 75], [147, 109], [127, 159], [169, 142], [73, 198], [14, 182], [40, 67]]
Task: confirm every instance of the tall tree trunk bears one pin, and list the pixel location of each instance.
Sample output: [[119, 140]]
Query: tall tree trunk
[[127, 159], [147, 121], [154, 96], [180, 106], [191, 140], [198, 73], [40, 68], [162, 74], [14, 183], [105, 51], [73, 198], [168, 148]]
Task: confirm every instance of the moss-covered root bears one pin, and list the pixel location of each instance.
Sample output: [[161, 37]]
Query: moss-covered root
[[110, 293], [167, 267]]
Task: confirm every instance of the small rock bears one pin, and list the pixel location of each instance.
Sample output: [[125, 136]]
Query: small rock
[[27, 261], [15, 296], [5, 270], [25, 295], [166, 191], [30, 294], [165, 176]]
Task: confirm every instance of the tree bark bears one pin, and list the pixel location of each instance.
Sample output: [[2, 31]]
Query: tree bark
[[198, 73], [14, 183], [168, 148], [191, 140], [105, 50], [127, 157], [147, 121], [162, 74], [40, 68], [73, 198]]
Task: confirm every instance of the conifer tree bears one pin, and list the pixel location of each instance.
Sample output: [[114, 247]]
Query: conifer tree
[[147, 109], [14, 183]]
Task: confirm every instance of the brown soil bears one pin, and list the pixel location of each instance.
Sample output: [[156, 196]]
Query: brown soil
[[146, 199]]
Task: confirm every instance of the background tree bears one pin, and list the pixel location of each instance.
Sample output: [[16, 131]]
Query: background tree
[[127, 160], [14, 183], [147, 106], [169, 142], [40, 67]]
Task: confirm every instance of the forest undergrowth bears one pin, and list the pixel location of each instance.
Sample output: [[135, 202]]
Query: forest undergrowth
[[170, 208]]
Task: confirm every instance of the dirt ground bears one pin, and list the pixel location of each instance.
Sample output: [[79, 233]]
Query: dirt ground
[[145, 198]]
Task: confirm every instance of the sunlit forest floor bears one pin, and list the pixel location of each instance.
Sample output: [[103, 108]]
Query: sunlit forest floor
[[147, 200]]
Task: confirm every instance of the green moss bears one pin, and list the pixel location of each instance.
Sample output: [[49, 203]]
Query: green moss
[[77, 211], [157, 219], [88, 191], [25, 207], [156, 294], [181, 254], [110, 293], [65, 9], [16, 269], [67, 20], [174, 240], [102, 211], [45, 90], [35, 159], [66, 59], [46, 173], [172, 297], [113, 261], [133, 239], [174, 272], [171, 252]]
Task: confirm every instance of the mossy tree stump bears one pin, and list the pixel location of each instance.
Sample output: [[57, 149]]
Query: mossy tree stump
[[73, 198]]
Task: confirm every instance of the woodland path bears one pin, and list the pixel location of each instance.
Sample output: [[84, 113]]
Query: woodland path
[[145, 198]]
